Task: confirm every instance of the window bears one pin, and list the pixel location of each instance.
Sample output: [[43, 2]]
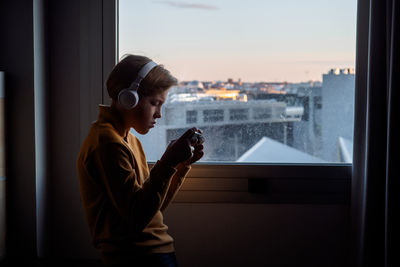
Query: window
[[270, 83], [317, 102], [213, 115], [238, 114], [262, 113], [191, 116], [244, 65]]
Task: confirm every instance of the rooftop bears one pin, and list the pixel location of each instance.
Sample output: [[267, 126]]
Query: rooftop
[[268, 150]]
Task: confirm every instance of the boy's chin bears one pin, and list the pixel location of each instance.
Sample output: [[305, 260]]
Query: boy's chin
[[142, 131]]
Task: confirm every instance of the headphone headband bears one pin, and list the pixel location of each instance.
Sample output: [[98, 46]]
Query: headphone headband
[[146, 69], [142, 74]]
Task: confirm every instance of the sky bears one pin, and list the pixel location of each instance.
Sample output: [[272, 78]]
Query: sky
[[251, 40]]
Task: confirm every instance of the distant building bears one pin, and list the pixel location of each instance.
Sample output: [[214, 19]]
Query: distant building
[[231, 124], [311, 118], [271, 151], [337, 111], [308, 130]]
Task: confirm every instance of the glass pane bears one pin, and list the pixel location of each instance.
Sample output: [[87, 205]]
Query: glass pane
[[266, 81]]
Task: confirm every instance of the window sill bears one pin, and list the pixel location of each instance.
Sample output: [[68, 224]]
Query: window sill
[[267, 183]]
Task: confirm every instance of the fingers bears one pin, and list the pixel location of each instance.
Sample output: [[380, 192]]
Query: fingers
[[196, 137], [189, 133], [200, 140], [198, 153], [199, 147], [189, 147]]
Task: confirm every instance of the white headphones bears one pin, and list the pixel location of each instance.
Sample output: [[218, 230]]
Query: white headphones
[[128, 97]]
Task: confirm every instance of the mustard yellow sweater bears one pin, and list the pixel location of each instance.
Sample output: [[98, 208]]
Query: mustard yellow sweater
[[122, 199]]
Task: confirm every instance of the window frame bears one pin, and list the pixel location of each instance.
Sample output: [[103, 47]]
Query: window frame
[[212, 182]]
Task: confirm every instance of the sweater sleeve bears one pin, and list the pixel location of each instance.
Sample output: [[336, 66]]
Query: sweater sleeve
[[176, 183], [136, 202]]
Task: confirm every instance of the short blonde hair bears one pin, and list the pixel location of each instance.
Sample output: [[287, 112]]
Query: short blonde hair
[[124, 73]]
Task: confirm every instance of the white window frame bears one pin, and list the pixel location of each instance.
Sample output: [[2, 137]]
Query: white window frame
[[253, 183]]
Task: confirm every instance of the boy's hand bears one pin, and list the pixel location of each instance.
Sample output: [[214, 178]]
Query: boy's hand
[[197, 154], [185, 149], [197, 141]]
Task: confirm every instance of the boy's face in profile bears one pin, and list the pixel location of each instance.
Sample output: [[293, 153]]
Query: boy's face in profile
[[143, 116]]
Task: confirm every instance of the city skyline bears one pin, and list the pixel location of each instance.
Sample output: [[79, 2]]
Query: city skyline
[[255, 41]]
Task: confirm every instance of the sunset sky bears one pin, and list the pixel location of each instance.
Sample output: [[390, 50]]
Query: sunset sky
[[254, 40]]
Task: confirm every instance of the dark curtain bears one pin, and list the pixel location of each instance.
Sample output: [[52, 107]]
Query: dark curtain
[[375, 184]]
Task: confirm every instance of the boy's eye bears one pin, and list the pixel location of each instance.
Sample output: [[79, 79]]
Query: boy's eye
[[156, 103]]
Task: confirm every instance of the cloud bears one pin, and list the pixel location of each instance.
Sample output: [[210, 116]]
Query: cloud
[[178, 4]]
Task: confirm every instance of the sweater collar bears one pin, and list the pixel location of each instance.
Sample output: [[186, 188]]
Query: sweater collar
[[107, 114]]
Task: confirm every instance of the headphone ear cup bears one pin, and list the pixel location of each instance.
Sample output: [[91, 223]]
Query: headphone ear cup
[[128, 98]]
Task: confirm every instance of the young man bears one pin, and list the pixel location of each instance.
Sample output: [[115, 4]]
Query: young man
[[123, 200]]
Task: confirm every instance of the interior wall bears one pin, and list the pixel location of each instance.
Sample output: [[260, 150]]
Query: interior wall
[[76, 90], [17, 62], [260, 234]]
